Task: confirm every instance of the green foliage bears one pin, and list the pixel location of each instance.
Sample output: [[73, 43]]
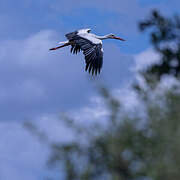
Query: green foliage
[[165, 38], [134, 148]]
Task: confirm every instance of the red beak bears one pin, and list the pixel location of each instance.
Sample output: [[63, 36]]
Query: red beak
[[119, 38]]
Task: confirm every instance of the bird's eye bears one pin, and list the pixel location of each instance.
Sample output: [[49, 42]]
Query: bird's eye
[[89, 31]]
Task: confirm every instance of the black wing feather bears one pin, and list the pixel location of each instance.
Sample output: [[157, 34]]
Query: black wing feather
[[71, 35], [74, 48], [93, 52], [94, 60]]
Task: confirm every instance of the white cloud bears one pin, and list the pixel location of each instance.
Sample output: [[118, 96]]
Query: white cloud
[[145, 59], [19, 60], [32, 50], [19, 152], [127, 97], [23, 155], [95, 110]]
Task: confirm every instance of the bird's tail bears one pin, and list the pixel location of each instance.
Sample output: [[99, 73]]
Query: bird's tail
[[64, 45], [63, 42]]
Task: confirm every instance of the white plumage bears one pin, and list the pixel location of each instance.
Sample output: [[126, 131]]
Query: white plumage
[[90, 44]]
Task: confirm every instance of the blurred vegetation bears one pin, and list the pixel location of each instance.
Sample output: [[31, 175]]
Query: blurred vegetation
[[143, 145], [165, 38]]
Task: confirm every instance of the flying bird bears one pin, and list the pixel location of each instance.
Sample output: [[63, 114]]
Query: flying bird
[[90, 44]]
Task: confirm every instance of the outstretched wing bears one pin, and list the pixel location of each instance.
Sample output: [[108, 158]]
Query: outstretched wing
[[75, 48], [94, 57], [93, 54], [93, 51]]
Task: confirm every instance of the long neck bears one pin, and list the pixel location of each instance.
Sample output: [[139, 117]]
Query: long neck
[[102, 37]]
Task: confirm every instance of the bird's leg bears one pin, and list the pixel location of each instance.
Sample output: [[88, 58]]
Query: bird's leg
[[64, 45]]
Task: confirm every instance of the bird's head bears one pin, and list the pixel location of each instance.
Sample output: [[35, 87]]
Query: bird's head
[[112, 36], [88, 30]]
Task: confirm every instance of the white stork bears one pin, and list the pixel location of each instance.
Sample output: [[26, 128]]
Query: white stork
[[90, 44]]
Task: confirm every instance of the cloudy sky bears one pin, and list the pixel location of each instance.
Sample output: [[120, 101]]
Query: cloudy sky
[[37, 84]]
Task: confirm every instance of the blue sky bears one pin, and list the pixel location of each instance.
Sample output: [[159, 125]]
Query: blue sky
[[37, 84]]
